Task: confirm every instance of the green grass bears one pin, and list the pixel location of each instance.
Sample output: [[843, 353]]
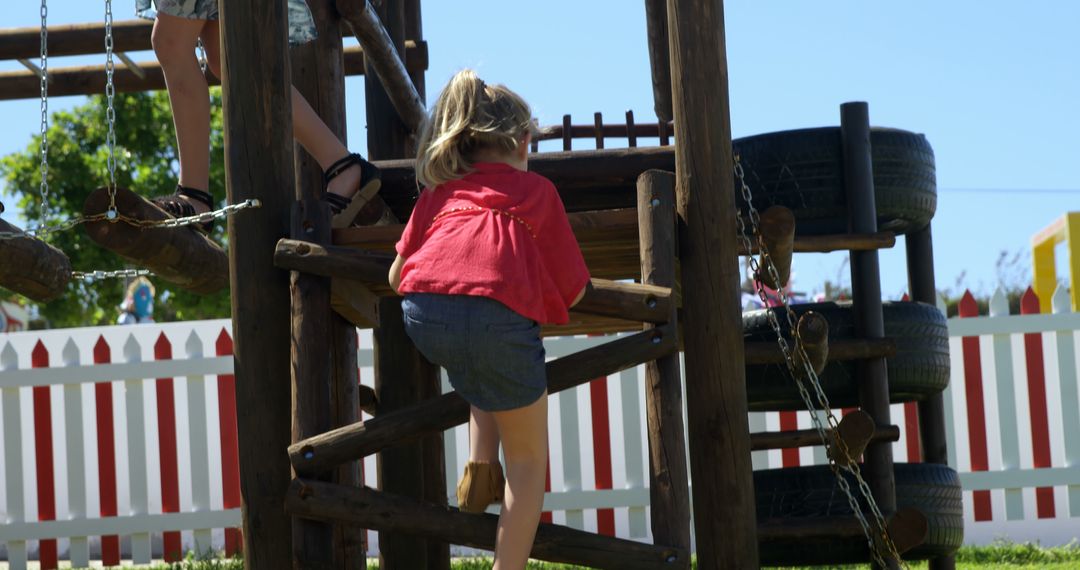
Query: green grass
[[1000, 555]]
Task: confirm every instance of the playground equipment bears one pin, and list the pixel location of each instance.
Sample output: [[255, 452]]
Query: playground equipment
[[849, 188], [1064, 230]]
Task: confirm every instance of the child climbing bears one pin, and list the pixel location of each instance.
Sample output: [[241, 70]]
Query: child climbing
[[350, 180], [487, 255]]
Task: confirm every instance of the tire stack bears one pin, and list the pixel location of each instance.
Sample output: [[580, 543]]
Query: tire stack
[[804, 171]]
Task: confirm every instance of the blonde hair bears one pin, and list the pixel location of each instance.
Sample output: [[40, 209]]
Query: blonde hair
[[470, 117]]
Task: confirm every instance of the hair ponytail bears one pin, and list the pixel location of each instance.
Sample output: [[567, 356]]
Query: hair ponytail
[[469, 117]]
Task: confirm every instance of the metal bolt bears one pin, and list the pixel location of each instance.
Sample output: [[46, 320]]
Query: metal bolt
[[111, 214], [657, 338], [655, 202], [650, 302], [309, 454]]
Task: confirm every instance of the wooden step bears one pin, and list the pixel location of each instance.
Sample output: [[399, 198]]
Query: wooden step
[[31, 267], [323, 452], [180, 255], [384, 512]]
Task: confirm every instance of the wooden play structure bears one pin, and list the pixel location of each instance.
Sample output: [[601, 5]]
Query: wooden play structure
[[673, 219]]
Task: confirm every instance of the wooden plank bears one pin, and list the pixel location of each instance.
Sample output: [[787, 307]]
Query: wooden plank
[[723, 498], [90, 79], [31, 267], [182, 256], [258, 164], [79, 548], [324, 451], [669, 490], [387, 512], [1006, 408]]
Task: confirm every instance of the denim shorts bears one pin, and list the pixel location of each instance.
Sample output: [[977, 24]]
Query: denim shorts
[[301, 24], [493, 356]]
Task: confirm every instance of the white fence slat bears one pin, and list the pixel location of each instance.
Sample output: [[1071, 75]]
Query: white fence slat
[[1006, 399], [199, 444], [13, 468], [571, 457], [1070, 395], [136, 450], [450, 448], [758, 423], [76, 461], [632, 385]]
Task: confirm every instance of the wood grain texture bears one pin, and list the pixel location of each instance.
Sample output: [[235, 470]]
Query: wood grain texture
[[31, 267], [669, 492], [258, 164], [387, 513], [723, 497], [182, 256]]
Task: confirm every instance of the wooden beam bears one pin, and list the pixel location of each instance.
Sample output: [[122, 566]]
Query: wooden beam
[[90, 79], [669, 492], [656, 21], [259, 164], [383, 56], [767, 352], [182, 256], [809, 438], [387, 512], [723, 497], [75, 39], [323, 452], [31, 267]]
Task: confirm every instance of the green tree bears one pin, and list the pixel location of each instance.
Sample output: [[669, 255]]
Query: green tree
[[146, 162]]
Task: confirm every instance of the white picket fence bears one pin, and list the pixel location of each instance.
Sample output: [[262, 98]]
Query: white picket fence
[[168, 390]]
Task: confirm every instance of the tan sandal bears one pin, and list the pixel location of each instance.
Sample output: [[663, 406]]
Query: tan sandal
[[481, 486]]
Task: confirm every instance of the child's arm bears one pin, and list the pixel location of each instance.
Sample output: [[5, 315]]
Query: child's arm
[[395, 273]]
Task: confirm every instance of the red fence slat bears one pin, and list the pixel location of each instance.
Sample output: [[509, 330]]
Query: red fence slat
[[170, 477], [230, 446], [911, 431], [976, 412], [789, 421], [106, 448], [43, 455], [1040, 423]]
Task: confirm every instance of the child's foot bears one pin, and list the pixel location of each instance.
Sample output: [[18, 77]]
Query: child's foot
[[350, 184], [481, 485], [187, 202]]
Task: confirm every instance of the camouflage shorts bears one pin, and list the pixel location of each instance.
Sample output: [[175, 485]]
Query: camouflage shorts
[[301, 24]]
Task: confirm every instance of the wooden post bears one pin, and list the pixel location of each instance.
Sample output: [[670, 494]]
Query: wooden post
[[724, 514], [656, 19], [866, 298], [669, 492], [327, 388], [258, 164], [920, 265]]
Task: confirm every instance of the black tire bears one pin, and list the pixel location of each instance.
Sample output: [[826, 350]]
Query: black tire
[[812, 492], [803, 170], [919, 369]]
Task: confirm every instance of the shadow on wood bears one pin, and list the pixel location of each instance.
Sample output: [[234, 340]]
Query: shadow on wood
[[31, 267], [180, 255]]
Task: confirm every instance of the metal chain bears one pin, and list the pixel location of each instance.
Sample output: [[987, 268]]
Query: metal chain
[[110, 112], [44, 189], [880, 541], [96, 275], [118, 217]]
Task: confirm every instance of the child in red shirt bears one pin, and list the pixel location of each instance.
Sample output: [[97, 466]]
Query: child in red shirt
[[486, 256]]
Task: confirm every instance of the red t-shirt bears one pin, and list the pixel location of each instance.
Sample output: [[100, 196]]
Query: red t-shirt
[[500, 233]]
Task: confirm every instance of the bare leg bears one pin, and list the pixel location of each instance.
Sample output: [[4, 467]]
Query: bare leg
[[308, 127], [483, 436], [524, 437], [174, 43]]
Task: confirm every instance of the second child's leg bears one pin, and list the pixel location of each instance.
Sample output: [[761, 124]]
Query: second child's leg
[[524, 438], [483, 436], [173, 40]]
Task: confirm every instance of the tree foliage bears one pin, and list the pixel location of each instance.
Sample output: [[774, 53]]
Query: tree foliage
[[146, 162]]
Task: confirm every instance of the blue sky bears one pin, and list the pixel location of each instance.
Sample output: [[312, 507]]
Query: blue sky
[[993, 85]]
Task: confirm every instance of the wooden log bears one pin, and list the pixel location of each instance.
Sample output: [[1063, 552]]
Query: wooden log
[[777, 227], [90, 79], [669, 492], [322, 452], [355, 302], [31, 267], [258, 164], [385, 60], [325, 376], [767, 352], [387, 512], [810, 437], [656, 20], [866, 300], [723, 499], [182, 256]]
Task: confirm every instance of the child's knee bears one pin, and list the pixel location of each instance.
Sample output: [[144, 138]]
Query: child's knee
[[169, 46]]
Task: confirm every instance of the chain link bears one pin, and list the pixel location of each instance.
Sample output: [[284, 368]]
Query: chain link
[[880, 543], [44, 189], [96, 275], [110, 112], [118, 217]]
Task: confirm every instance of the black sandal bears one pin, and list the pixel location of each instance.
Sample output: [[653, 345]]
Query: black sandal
[[345, 210], [178, 208]]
